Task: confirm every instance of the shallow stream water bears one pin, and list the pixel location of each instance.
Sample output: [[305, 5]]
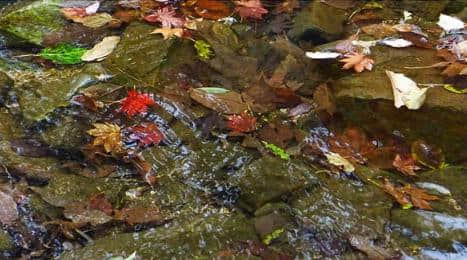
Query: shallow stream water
[[228, 155]]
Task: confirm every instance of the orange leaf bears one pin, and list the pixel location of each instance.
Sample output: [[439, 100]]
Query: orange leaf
[[358, 62], [241, 123], [405, 165]]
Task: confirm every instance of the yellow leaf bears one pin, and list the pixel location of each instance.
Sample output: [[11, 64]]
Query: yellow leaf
[[169, 32], [107, 135]]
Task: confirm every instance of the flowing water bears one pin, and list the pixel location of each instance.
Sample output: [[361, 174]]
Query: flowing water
[[193, 175]]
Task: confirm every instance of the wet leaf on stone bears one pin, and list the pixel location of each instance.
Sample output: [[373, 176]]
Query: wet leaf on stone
[[100, 202], [166, 16], [139, 215], [339, 161], [8, 210], [168, 33], [358, 62], [102, 49], [79, 213], [146, 134], [250, 9], [87, 102], [211, 9], [287, 6], [203, 49], [225, 103], [405, 164], [108, 136], [277, 151], [406, 92], [241, 123], [63, 54], [136, 103], [409, 196]]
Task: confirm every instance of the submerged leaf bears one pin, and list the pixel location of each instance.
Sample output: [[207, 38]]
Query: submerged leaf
[[227, 103], [63, 54], [102, 49], [146, 134], [203, 49], [250, 9], [136, 103], [107, 135], [241, 123], [337, 160], [277, 151]]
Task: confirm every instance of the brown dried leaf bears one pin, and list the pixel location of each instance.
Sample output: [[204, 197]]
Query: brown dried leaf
[[454, 69], [398, 195], [379, 30], [227, 103], [407, 165], [419, 197], [100, 202]]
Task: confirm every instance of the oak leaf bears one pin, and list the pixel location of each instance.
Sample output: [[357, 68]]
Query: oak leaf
[[107, 135], [358, 62]]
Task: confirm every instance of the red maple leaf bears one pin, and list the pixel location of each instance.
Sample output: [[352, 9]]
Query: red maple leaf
[[241, 123], [250, 9], [146, 134], [166, 16], [136, 103]]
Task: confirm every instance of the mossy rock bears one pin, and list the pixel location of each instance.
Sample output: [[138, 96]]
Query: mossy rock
[[141, 57], [200, 237], [267, 179], [39, 93], [64, 189], [28, 21], [318, 21], [6, 242]]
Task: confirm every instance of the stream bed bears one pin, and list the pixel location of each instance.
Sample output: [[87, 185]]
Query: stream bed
[[208, 129]]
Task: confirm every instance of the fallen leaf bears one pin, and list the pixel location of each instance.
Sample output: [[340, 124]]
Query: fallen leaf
[[358, 62], [87, 102], [226, 103], [380, 30], [168, 33], [405, 165], [337, 160], [396, 43], [211, 9], [449, 23], [100, 202], [398, 195], [107, 135], [287, 6], [409, 196], [63, 54], [146, 134], [241, 123], [419, 40], [165, 16], [455, 68], [277, 151], [8, 210], [276, 133], [318, 55], [406, 92], [250, 9], [139, 215], [79, 213], [102, 49], [136, 103]]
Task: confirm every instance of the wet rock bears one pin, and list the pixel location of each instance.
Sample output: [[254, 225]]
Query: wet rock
[[140, 57], [65, 188], [427, 228], [376, 85], [227, 47], [198, 237], [429, 10], [334, 208], [6, 242], [41, 92], [28, 21], [438, 127], [268, 179], [273, 217], [319, 23]]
